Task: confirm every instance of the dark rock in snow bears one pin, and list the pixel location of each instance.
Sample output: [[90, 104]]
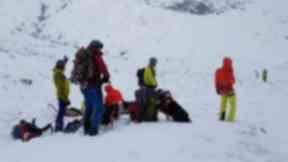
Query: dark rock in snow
[[193, 7], [26, 81]]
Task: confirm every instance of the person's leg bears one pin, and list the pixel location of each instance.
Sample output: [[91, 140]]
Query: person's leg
[[154, 108], [151, 112], [106, 118], [34, 131], [223, 107], [140, 98], [233, 109], [44, 129], [60, 116], [98, 110], [115, 111], [134, 111], [88, 111]]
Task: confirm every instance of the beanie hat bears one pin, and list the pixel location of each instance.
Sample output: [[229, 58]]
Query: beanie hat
[[96, 44], [153, 61], [61, 62]]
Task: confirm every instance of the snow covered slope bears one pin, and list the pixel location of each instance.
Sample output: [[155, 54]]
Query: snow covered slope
[[34, 34]]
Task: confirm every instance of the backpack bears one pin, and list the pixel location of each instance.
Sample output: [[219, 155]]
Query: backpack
[[83, 66], [72, 127], [140, 76]]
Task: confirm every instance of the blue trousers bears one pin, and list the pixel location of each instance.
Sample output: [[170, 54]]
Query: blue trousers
[[94, 108], [60, 115]]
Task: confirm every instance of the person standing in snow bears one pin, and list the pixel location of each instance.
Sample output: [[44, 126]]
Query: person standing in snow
[[150, 74], [224, 82], [146, 95], [265, 75], [92, 89], [62, 88]]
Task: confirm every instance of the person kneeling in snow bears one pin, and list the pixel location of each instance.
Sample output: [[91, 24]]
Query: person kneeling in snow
[[145, 95], [25, 130], [113, 104]]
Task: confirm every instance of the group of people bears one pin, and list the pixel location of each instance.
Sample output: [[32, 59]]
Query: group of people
[[90, 72], [91, 80]]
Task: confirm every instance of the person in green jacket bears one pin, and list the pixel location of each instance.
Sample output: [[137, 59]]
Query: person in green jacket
[[150, 84], [62, 90]]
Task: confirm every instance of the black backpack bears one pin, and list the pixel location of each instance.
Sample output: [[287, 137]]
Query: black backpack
[[140, 76], [72, 127]]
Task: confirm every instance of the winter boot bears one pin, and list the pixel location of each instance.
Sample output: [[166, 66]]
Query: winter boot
[[58, 129], [222, 116], [93, 132], [86, 127]]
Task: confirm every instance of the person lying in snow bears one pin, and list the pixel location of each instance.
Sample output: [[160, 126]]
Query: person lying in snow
[[26, 131], [145, 95], [167, 105]]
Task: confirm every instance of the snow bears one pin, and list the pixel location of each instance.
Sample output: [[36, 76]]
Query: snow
[[189, 48]]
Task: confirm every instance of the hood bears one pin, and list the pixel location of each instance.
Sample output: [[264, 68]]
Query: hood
[[227, 63]]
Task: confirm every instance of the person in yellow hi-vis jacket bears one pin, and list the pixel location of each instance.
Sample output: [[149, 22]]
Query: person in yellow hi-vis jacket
[[150, 84], [150, 74], [224, 82], [62, 89]]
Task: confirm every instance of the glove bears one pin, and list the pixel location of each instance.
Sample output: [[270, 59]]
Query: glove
[[105, 79], [218, 91], [67, 102]]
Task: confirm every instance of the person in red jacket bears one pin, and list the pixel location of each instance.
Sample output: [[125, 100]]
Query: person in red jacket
[[224, 83], [92, 89], [113, 102]]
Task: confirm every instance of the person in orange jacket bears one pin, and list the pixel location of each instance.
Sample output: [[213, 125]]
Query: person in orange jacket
[[113, 95], [113, 102], [224, 83]]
